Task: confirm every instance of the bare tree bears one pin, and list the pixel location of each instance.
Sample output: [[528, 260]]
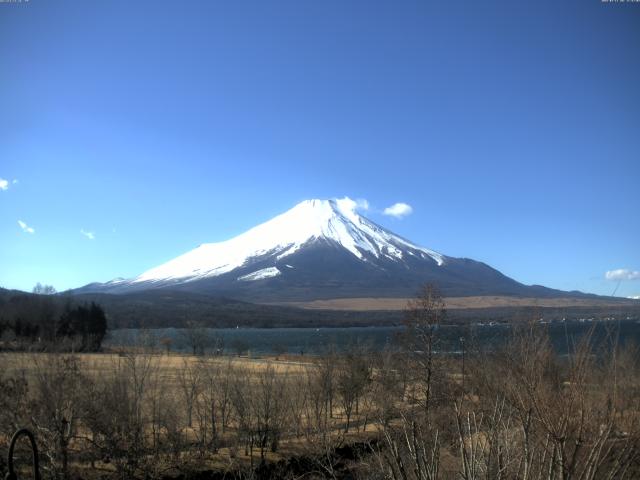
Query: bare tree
[[214, 400], [115, 413], [166, 342], [409, 450], [423, 316], [552, 418], [14, 407], [268, 408], [315, 418], [353, 376], [196, 337], [326, 368], [388, 386], [44, 289], [189, 381]]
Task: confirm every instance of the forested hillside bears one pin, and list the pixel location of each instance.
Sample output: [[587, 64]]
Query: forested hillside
[[45, 320]]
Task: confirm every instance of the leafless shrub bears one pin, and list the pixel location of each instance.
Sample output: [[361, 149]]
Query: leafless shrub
[[563, 417], [56, 409], [189, 382], [115, 415]]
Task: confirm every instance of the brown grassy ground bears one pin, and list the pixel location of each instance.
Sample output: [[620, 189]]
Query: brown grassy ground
[[99, 363], [373, 304]]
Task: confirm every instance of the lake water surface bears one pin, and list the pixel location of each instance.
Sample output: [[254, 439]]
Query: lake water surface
[[265, 341]]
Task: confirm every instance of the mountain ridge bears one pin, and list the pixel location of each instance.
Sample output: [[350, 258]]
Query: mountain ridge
[[321, 249]]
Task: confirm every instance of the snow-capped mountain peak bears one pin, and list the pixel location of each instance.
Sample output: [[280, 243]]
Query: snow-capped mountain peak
[[319, 249], [336, 221]]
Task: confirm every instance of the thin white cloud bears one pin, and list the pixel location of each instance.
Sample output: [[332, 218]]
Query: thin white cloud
[[25, 228], [353, 205], [622, 274], [362, 204], [634, 297], [5, 184], [398, 210], [89, 235]]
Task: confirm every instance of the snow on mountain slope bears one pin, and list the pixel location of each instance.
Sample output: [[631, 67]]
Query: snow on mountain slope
[[333, 220], [260, 274]]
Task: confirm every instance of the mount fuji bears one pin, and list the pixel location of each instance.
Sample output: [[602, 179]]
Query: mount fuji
[[320, 249]]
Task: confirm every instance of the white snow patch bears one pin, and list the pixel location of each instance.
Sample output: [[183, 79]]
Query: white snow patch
[[260, 274]]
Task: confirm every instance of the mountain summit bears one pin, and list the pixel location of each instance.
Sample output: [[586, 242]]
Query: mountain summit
[[317, 250], [331, 221]]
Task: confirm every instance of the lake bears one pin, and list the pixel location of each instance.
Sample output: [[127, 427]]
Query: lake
[[312, 341]]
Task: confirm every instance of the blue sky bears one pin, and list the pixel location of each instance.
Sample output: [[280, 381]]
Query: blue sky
[[511, 128]]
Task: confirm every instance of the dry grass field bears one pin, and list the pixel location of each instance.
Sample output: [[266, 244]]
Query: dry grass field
[[519, 412], [453, 303], [167, 366]]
